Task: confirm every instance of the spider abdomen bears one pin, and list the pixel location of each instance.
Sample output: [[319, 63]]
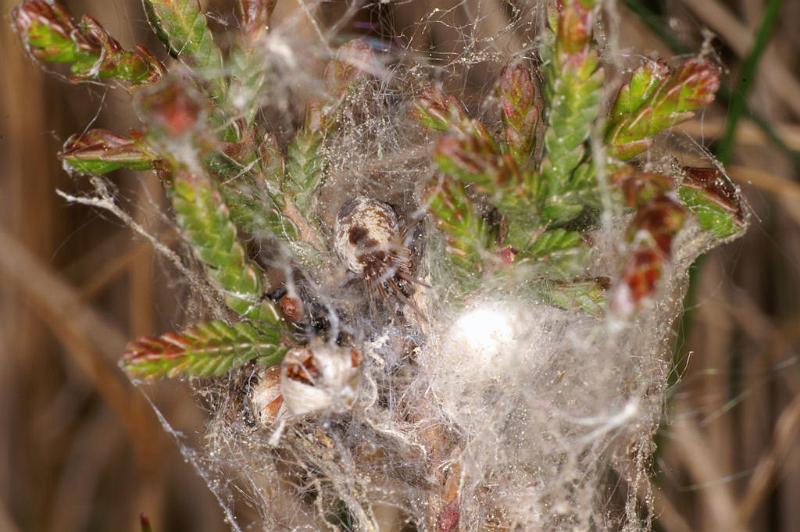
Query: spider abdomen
[[367, 238]]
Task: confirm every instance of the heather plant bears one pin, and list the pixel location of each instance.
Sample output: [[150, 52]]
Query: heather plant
[[462, 316]]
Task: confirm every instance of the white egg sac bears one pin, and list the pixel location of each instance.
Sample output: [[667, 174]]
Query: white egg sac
[[482, 352]]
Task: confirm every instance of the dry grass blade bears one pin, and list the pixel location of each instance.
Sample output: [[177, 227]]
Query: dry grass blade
[[740, 39], [87, 336], [747, 133], [768, 467], [6, 523], [113, 269], [668, 515], [702, 466], [766, 181]]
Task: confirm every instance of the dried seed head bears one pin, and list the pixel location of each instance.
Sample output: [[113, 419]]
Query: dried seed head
[[319, 377], [265, 397], [368, 240]]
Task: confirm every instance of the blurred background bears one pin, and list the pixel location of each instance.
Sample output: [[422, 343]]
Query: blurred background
[[82, 450]]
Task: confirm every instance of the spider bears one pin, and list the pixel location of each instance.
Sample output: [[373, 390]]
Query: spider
[[371, 244]]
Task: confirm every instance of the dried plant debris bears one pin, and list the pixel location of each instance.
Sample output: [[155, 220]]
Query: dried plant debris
[[463, 313]]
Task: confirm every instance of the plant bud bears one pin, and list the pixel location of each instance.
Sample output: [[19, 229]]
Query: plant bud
[[319, 377], [99, 151]]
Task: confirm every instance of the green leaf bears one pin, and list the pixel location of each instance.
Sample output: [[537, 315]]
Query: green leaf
[[588, 296], [714, 200], [203, 350], [643, 84], [50, 35], [98, 152], [521, 221], [304, 169], [467, 234], [247, 71], [468, 153], [305, 164], [561, 208], [711, 216], [653, 102], [554, 242], [471, 155], [436, 111], [557, 254], [255, 211], [205, 221], [251, 188], [573, 89], [183, 29]]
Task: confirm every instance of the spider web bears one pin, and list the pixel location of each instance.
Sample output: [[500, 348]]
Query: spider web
[[553, 431]]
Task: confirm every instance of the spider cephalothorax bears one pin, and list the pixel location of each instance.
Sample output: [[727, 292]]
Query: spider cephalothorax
[[370, 242]]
